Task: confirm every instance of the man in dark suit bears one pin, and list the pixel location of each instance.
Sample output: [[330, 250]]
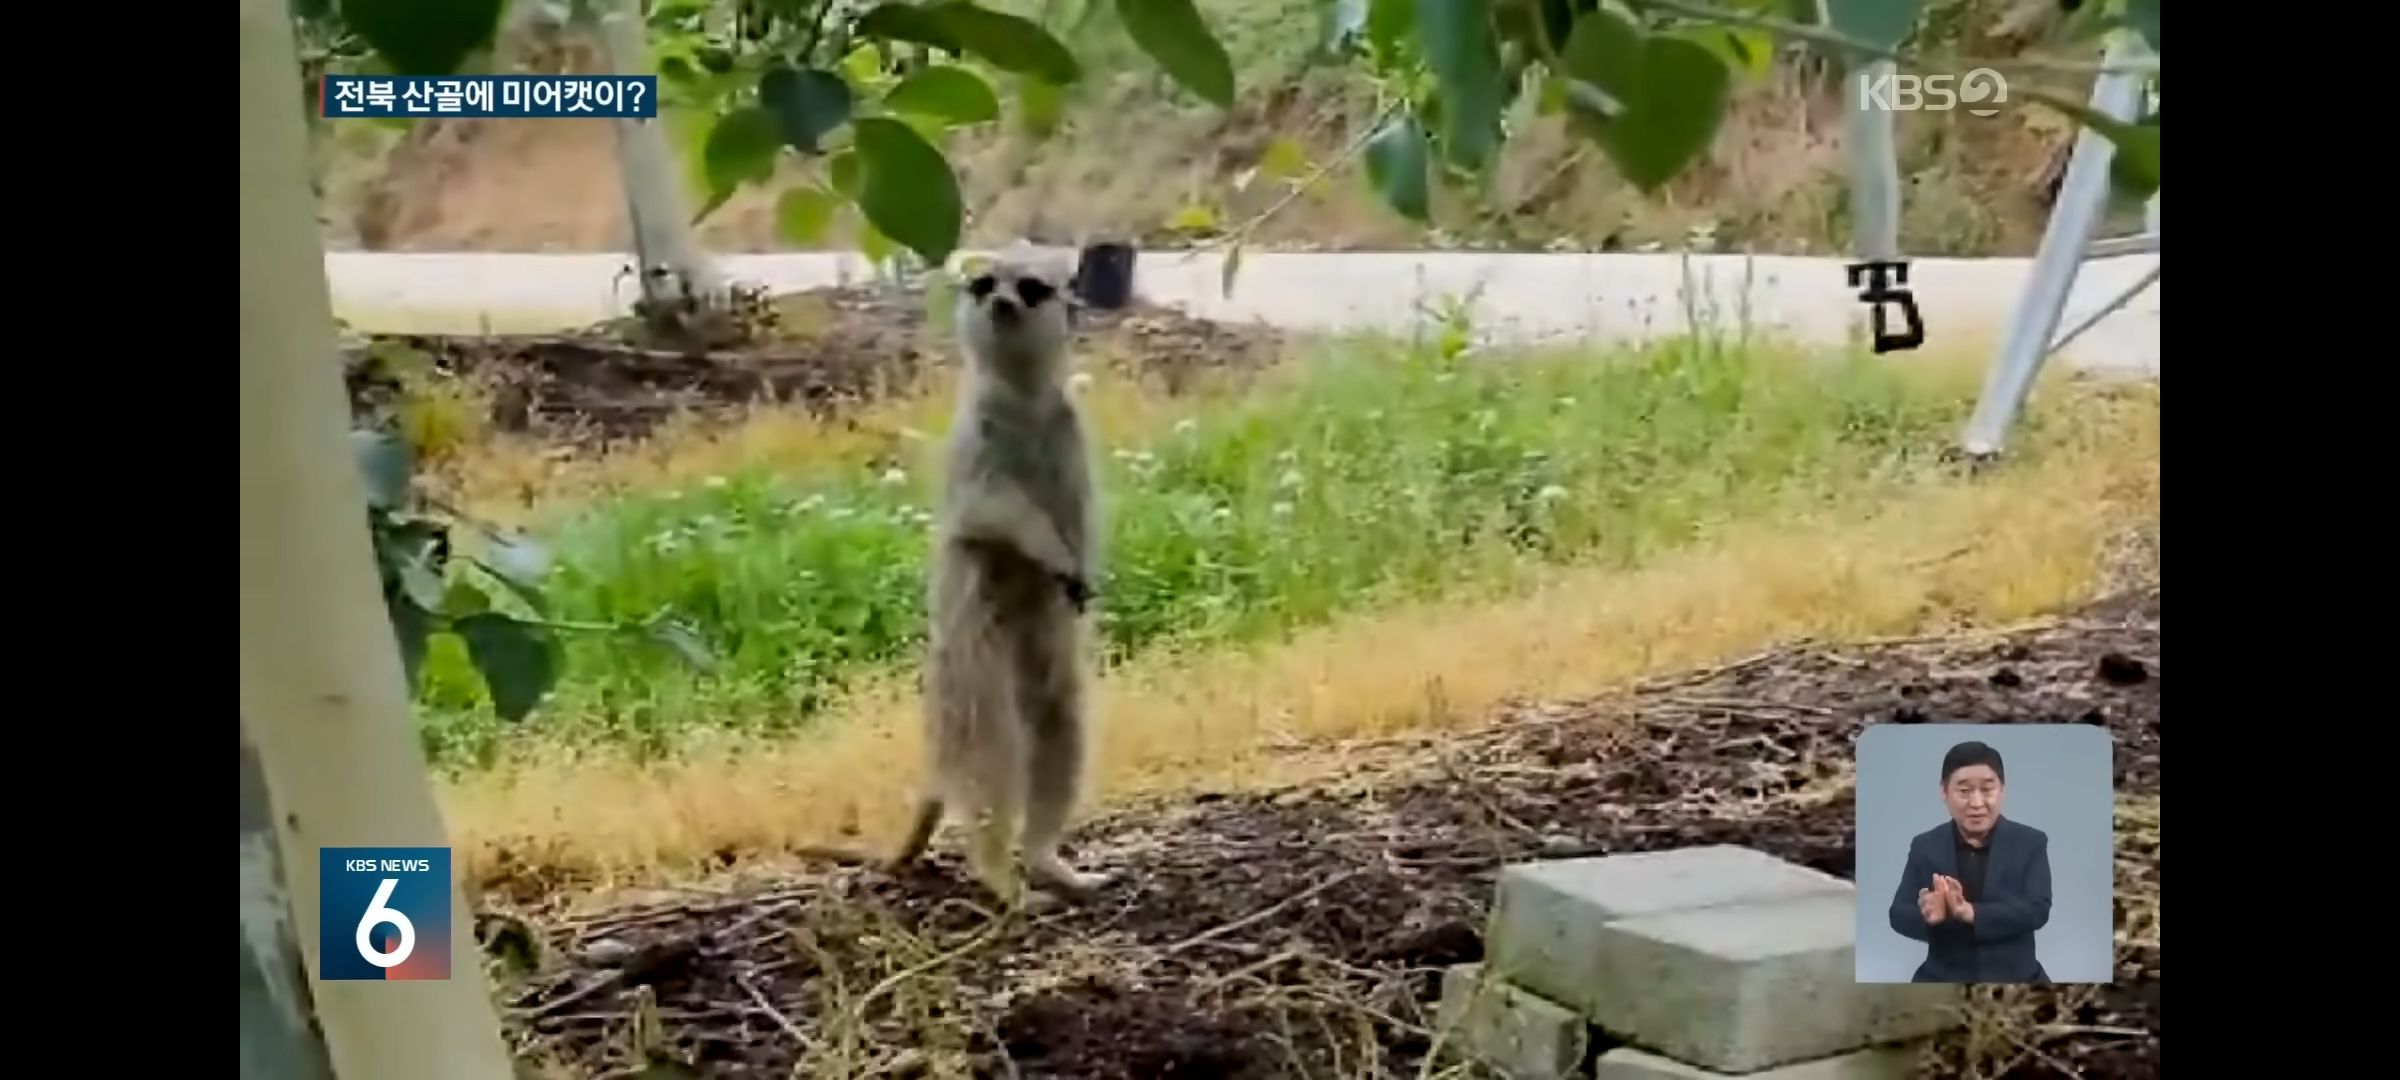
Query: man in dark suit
[[1976, 887]]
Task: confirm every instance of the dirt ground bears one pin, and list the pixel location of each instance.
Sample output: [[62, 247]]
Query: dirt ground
[[827, 348], [1302, 932]]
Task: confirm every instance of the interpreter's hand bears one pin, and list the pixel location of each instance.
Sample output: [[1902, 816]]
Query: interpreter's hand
[[1933, 904], [1954, 896]]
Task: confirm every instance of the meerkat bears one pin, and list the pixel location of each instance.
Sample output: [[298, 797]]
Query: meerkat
[[1016, 549]]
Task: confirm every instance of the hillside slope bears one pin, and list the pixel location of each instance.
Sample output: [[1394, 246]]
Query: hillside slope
[[1135, 154]]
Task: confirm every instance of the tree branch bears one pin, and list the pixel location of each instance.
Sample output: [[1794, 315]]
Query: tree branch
[[1835, 39]]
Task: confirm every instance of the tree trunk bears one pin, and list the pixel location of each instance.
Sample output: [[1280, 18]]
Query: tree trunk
[[322, 697], [662, 229]]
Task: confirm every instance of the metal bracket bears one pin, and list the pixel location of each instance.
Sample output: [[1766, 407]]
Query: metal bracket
[[1887, 283]]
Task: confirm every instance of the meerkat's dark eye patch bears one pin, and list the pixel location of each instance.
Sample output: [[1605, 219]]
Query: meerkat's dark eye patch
[[1034, 290], [982, 286]]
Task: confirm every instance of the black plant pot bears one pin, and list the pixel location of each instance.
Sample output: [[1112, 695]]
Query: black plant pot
[[1104, 276]]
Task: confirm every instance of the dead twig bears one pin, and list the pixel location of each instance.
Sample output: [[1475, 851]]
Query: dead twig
[[759, 997], [2114, 1030], [1261, 915], [1749, 706], [605, 981]]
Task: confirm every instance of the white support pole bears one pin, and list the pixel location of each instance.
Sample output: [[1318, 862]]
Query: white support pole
[[322, 699], [1874, 166], [280, 1040], [2081, 198]]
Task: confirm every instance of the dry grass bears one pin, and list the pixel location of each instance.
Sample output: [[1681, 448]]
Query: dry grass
[[1997, 548]]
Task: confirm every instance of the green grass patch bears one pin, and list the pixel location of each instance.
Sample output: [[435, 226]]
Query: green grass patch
[[1373, 474]]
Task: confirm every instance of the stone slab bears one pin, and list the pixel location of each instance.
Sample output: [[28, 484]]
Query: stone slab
[[1881, 1063], [1750, 986], [1547, 916], [1509, 1029]]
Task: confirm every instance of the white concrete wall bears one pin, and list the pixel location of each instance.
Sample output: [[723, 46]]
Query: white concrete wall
[[1522, 297]]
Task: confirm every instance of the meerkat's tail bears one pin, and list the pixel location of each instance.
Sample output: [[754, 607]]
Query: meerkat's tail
[[920, 831]]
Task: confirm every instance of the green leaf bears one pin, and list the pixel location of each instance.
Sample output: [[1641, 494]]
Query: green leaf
[[877, 247], [906, 188], [383, 463], [1233, 266], [1397, 165], [1456, 36], [1173, 33], [1669, 94], [803, 214], [408, 540], [1390, 27], [1557, 20], [463, 599], [518, 660], [807, 104], [422, 585], [526, 586], [412, 626], [1039, 106], [1011, 43], [1880, 23], [950, 93], [685, 643], [517, 559], [2143, 16], [2133, 169], [424, 37], [864, 64], [842, 172], [909, 22], [1751, 52], [741, 149], [1604, 51]]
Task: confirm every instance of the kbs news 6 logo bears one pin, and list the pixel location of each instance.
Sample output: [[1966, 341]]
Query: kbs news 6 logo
[[383, 913]]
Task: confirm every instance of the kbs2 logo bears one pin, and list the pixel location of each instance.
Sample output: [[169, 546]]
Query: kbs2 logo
[[383, 913], [1980, 90]]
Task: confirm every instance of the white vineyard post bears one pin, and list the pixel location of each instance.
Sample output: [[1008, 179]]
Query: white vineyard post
[[2066, 243]]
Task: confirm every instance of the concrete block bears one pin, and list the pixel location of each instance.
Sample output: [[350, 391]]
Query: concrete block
[[1547, 916], [1743, 987], [1882, 1063], [1508, 1028]]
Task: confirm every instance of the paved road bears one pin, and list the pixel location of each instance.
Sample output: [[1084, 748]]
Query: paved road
[[1967, 303]]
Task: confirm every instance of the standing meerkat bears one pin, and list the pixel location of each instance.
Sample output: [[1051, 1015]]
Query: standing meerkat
[[1015, 553]]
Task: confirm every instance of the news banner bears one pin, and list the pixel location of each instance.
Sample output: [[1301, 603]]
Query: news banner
[[531, 96]]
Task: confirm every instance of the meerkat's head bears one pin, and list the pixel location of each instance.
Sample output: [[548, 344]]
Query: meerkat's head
[[1012, 316]]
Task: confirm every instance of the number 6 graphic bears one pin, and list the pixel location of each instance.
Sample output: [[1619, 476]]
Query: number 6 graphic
[[376, 915]]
